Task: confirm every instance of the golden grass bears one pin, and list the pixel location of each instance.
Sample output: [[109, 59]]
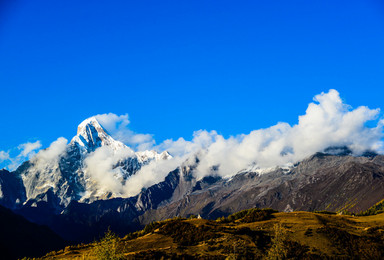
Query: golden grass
[[316, 234]]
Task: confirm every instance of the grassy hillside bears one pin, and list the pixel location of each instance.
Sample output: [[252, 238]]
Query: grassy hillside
[[251, 234]]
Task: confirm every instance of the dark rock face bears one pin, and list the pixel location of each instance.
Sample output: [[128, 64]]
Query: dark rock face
[[12, 191]]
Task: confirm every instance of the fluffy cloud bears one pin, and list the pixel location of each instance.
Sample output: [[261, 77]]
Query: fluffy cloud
[[327, 122], [51, 154], [4, 156], [202, 139], [150, 174], [24, 152], [117, 127], [100, 167], [28, 149]]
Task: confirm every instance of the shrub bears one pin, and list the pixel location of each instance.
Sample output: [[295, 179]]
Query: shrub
[[325, 212], [152, 226], [186, 234], [248, 215]]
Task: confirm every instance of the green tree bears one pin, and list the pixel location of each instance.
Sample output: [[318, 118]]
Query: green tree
[[278, 250], [108, 248]]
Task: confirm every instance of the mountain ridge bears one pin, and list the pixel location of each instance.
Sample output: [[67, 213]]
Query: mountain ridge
[[64, 195]]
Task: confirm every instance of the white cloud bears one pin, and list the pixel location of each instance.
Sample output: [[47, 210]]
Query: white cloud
[[117, 127], [150, 174], [28, 149], [50, 155], [113, 122], [4, 156], [327, 122], [201, 140], [99, 166]]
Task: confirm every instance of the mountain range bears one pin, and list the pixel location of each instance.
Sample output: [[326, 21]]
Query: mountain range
[[71, 192]]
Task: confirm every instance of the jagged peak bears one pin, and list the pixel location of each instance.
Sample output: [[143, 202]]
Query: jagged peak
[[90, 122], [91, 135]]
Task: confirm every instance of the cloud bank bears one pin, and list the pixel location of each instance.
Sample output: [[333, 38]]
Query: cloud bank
[[328, 122]]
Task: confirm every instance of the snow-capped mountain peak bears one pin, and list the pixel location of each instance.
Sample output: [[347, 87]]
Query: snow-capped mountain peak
[[91, 135], [94, 166], [92, 121]]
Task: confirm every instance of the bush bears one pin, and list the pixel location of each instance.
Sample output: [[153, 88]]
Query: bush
[[325, 212], [248, 216], [152, 227], [186, 234]]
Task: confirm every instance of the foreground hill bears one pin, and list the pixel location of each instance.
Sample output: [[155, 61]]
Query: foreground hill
[[19, 237], [250, 234]]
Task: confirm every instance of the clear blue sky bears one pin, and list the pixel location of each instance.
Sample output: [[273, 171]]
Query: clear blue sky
[[180, 66]]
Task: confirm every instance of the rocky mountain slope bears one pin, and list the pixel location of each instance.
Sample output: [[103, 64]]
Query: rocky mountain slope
[[321, 182], [65, 194]]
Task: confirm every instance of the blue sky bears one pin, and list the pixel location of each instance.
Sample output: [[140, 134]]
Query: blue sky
[[180, 66]]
